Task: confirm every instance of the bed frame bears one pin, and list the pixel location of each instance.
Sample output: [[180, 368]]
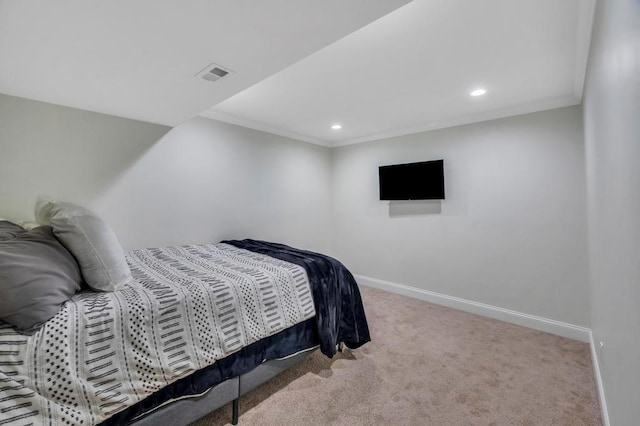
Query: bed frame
[[185, 411]]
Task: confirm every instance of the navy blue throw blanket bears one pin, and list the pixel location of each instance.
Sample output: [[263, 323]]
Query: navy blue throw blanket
[[339, 312]]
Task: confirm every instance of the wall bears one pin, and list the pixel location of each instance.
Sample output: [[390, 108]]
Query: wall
[[612, 134], [200, 182], [511, 232]]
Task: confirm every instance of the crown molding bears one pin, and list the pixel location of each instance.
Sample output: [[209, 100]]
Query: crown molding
[[586, 15], [469, 119]]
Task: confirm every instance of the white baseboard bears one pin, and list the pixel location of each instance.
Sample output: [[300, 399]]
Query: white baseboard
[[599, 384], [543, 324]]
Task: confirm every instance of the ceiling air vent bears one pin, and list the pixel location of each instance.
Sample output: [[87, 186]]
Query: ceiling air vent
[[214, 72]]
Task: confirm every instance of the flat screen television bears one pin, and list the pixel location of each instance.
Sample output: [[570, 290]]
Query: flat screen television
[[412, 181]]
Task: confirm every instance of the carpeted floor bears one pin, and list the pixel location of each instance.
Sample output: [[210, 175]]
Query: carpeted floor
[[431, 365]]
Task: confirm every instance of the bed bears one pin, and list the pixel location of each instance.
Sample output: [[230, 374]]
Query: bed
[[194, 328]]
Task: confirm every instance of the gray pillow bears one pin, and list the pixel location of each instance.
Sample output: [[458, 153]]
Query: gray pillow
[[90, 240], [8, 229], [37, 275]]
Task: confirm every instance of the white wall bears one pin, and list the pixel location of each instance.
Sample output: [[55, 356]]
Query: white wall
[[612, 135], [511, 232], [200, 182]]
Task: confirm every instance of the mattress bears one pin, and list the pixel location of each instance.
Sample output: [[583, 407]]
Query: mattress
[[185, 308], [292, 340], [340, 318]]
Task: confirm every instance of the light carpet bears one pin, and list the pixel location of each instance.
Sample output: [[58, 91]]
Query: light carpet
[[431, 365]]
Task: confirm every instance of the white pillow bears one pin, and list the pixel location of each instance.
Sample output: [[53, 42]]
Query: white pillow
[[90, 240]]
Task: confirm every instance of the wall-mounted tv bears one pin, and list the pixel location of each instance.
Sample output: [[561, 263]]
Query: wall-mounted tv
[[412, 181]]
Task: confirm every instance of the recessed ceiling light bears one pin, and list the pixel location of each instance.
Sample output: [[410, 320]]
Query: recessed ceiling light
[[336, 127], [478, 92]]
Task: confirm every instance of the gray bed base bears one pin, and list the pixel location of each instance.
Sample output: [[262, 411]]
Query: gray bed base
[[185, 411]]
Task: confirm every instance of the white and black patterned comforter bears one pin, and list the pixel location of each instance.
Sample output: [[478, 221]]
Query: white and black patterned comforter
[[185, 308]]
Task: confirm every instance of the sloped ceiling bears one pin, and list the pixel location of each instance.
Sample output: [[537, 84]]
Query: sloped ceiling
[[379, 68], [138, 59]]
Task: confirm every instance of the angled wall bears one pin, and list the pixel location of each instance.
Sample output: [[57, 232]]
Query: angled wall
[[200, 182]]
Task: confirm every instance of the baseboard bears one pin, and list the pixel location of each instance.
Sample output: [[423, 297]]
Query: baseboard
[[543, 324], [599, 384]]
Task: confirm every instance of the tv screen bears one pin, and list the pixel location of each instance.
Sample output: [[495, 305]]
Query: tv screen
[[412, 181]]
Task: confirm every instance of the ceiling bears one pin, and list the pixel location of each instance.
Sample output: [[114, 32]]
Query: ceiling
[[138, 58], [379, 68], [413, 70]]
